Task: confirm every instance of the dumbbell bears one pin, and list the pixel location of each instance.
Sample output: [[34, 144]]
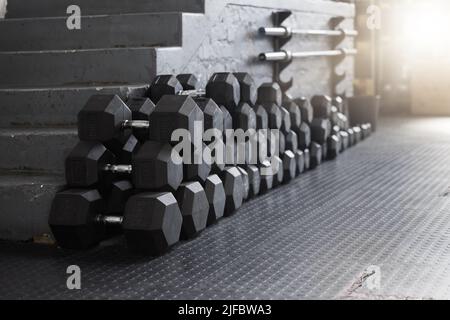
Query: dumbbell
[[270, 95], [151, 223], [222, 87], [155, 167], [105, 117], [321, 126]]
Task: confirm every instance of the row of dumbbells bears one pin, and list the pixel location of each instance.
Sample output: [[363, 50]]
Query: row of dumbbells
[[125, 162]]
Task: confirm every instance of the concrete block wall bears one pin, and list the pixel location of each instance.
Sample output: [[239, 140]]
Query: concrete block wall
[[50, 74]]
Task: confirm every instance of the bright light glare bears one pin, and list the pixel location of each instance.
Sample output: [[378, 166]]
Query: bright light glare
[[426, 28]]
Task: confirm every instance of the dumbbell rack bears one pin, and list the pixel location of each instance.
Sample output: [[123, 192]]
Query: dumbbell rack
[[282, 59]]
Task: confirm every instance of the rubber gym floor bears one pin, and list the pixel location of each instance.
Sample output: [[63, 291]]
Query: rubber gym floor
[[383, 205]]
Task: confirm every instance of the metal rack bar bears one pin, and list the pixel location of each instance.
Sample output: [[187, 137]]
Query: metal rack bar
[[288, 32], [288, 56]]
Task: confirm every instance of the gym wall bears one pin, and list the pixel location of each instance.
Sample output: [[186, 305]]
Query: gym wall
[[226, 39]]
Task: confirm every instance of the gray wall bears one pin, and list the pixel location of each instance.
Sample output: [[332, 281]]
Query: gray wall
[[226, 39]]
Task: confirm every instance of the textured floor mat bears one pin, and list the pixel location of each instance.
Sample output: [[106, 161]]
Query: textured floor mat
[[373, 224]]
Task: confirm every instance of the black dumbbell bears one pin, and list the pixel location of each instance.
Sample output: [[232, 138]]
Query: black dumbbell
[[156, 166], [106, 117], [223, 88], [151, 222]]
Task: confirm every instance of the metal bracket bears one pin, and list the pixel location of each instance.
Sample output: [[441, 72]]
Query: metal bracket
[[278, 18]]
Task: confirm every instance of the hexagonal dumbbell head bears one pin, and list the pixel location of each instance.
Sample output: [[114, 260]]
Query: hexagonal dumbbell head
[[358, 134], [334, 147], [266, 178], [338, 102], [194, 208], [324, 151], [366, 130], [278, 174], [270, 93], [289, 166], [254, 180], [320, 130], [303, 136], [305, 109], [213, 116], [345, 140], [307, 156], [84, 165], [224, 89], [291, 141], [262, 118], [234, 189], [274, 115], [246, 182], [164, 85], [315, 155], [72, 218], [152, 223], [286, 120], [141, 108], [173, 113], [322, 106], [294, 112], [121, 191], [188, 81], [244, 117], [157, 167], [249, 93], [215, 193], [351, 136], [102, 117], [300, 161]]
